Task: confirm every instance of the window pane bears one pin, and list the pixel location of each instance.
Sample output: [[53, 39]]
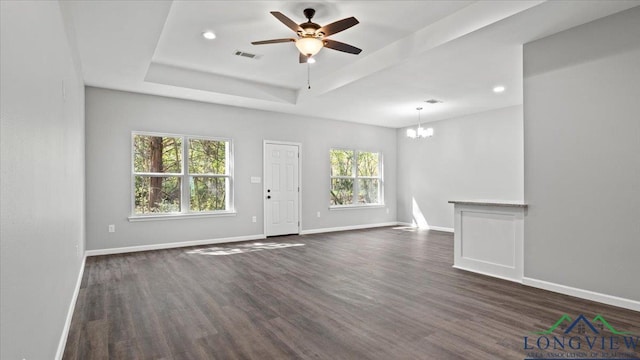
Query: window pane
[[157, 154], [368, 191], [208, 193], [207, 157], [157, 195], [341, 162], [341, 192], [368, 164]]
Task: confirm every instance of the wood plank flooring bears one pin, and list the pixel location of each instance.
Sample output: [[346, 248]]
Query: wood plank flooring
[[385, 293]]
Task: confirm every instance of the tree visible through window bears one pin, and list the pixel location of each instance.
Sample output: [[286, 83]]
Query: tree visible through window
[[355, 178], [208, 160], [158, 165], [165, 181]]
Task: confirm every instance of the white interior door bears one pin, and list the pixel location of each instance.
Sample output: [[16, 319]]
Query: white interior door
[[281, 189]]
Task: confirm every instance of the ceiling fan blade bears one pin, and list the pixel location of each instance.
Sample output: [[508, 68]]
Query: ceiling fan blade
[[337, 45], [338, 26], [285, 20], [274, 41]]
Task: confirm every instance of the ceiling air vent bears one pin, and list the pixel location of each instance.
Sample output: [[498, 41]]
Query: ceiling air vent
[[247, 55]]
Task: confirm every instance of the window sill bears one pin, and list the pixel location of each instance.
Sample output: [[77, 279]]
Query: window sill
[[352, 207], [179, 216]]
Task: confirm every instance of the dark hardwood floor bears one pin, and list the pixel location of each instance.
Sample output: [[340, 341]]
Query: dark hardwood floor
[[382, 293]]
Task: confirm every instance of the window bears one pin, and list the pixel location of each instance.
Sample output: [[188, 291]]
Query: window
[[356, 178], [167, 182]]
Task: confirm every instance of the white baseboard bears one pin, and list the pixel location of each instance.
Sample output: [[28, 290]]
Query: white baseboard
[[67, 324], [346, 228], [129, 249], [583, 294], [440, 228], [436, 228], [486, 273]]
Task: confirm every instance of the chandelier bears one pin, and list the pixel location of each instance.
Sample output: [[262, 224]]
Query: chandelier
[[420, 132]]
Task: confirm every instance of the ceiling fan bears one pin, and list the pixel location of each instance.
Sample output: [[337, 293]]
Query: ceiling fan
[[313, 37]]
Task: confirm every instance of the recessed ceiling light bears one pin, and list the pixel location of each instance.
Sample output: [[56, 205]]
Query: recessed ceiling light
[[209, 35], [311, 60], [498, 89]]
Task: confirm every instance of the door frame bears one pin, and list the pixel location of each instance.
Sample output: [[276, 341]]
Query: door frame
[[264, 173]]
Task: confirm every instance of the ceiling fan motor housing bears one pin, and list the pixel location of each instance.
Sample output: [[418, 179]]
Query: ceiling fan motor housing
[[310, 28], [308, 13]]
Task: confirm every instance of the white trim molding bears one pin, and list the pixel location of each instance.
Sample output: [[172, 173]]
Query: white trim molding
[[138, 218], [486, 273], [346, 228], [440, 228], [72, 306], [583, 294], [129, 249], [435, 228], [354, 207]]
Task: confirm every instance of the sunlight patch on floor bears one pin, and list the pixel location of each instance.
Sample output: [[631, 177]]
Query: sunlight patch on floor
[[241, 249]]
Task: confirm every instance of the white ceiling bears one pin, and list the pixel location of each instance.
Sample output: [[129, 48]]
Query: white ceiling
[[454, 51]]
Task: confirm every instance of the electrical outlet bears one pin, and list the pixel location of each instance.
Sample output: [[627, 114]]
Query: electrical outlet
[[387, 210], [318, 214], [254, 219], [112, 228]]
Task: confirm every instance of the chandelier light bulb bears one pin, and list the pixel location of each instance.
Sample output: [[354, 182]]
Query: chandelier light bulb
[[424, 133]]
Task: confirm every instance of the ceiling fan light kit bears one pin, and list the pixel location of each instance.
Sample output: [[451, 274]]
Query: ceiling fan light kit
[[309, 46]]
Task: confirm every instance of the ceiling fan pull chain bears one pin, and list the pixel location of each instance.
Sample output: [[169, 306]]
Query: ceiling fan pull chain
[[308, 76]]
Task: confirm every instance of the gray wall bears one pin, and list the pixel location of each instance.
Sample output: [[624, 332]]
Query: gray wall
[[479, 156], [42, 188], [582, 156], [112, 115]]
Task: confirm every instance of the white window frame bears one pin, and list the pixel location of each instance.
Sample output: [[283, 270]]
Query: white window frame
[[185, 177], [356, 185]]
